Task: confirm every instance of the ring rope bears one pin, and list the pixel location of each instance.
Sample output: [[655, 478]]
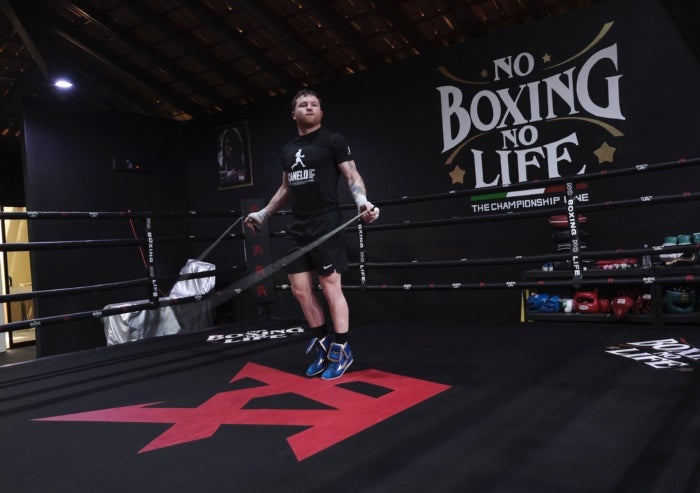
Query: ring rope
[[464, 262], [134, 306], [524, 259], [226, 294], [506, 216], [236, 289], [681, 162], [70, 244], [113, 214], [610, 280], [104, 312], [639, 168], [516, 284], [156, 302], [116, 285], [619, 253]]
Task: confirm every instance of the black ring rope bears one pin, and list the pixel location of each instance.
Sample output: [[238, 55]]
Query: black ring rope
[[507, 216], [116, 285], [133, 306], [116, 242], [158, 302], [454, 286], [387, 265], [149, 305], [639, 168], [114, 214], [526, 259], [523, 284], [46, 293], [69, 244]]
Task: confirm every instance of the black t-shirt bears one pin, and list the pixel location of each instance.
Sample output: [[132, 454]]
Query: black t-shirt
[[311, 163]]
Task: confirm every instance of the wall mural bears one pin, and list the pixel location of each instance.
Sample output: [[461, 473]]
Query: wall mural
[[533, 115]]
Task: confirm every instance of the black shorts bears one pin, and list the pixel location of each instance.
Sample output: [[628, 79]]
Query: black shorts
[[328, 257]]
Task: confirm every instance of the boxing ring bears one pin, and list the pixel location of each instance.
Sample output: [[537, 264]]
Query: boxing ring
[[540, 403], [573, 260]]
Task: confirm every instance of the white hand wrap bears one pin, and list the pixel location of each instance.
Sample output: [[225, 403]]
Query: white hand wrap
[[360, 199], [257, 217]]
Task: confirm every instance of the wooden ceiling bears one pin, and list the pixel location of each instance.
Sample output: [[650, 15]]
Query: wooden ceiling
[[186, 59]]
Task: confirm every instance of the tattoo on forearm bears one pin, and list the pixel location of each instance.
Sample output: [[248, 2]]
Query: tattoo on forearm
[[356, 190]]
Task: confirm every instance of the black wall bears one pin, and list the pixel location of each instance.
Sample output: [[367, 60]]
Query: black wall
[[70, 155], [393, 120]]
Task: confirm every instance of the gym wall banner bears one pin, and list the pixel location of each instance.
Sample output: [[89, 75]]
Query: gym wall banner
[[539, 110]]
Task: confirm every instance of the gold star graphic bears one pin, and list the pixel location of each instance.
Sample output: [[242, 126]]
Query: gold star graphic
[[457, 175], [484, 73], [547, 58], [604, 153]]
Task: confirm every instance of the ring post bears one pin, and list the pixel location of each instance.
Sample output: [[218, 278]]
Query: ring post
[[577, 269], [362, 239], [150, 241]]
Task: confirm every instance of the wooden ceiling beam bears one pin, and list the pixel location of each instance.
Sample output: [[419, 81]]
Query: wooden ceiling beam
[[127, 72], [143, 51], [239, 41], [407, 29], [176, 37], [34, 39], [321, 9], [288, 36]]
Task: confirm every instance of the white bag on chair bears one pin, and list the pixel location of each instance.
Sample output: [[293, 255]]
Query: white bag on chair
[[168, 320], [193, 287]]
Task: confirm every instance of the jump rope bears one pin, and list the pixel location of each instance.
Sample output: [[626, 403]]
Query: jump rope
[[255, 277]]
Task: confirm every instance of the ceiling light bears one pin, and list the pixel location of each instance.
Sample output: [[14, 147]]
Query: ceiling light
[[63, 83]]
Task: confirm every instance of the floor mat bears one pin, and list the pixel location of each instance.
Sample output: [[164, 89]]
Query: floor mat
[[424, 407]]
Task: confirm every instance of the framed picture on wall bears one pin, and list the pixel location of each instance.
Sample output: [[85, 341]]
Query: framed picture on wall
[[233, 156]]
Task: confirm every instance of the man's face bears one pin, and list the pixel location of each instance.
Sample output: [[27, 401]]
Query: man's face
[[307, 112], [228, 145]]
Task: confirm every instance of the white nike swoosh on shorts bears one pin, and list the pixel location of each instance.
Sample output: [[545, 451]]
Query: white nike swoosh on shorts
[[327, 266]]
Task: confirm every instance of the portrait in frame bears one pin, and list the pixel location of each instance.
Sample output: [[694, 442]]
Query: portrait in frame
[[233, 156]]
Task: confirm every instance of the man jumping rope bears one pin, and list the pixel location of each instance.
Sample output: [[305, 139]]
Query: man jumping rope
[[313, 163]]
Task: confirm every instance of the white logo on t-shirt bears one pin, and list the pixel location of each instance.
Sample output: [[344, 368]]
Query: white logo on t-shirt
[[298, 161]]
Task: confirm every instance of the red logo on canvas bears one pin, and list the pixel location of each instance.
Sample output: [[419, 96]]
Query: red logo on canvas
[[348, 412]]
